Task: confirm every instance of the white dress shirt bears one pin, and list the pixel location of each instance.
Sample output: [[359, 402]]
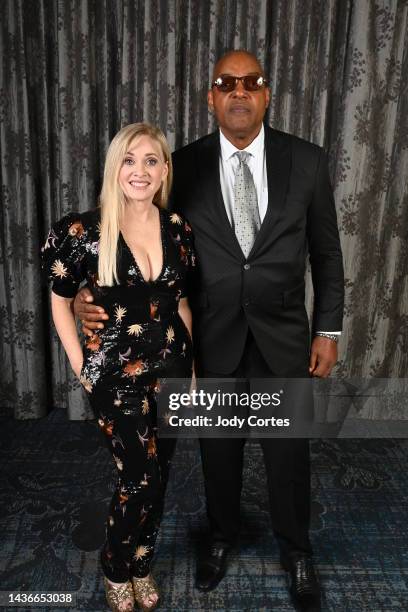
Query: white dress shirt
[[257, 165]]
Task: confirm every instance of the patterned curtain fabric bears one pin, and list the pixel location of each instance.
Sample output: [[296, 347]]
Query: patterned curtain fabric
[[72, 72]]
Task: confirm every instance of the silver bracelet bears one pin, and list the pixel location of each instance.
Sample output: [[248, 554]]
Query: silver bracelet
[[334, 337]]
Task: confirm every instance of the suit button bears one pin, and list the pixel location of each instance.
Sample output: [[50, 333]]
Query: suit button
[[247, 266]]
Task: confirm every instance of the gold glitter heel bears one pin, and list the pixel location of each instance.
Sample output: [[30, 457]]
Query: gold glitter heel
[[117, 594], [143, 589]]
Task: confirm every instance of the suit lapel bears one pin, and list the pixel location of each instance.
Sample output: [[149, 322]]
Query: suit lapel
[[209, 173], [278, 162]]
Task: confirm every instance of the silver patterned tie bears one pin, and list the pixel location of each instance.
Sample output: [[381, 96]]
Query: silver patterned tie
[[246, 213]]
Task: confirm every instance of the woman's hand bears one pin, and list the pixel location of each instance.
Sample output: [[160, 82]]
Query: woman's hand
[[193, 385]]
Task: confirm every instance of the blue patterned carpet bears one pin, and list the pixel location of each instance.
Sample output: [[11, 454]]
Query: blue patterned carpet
[[56, 479]]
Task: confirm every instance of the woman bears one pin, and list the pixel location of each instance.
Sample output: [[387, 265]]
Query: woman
[[136, 258]]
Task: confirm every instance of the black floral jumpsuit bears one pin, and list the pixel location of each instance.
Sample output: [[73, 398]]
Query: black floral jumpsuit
[[144, 341]]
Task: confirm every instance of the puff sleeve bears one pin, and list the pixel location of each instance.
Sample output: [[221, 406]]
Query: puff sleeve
[[63, 255]]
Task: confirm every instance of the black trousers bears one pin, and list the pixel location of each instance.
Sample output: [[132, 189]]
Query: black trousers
[[287, 463]]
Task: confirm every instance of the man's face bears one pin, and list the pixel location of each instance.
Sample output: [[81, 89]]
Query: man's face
[[239, 113]]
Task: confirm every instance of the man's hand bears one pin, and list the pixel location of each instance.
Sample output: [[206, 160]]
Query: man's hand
[[90, 315], [323, 356]]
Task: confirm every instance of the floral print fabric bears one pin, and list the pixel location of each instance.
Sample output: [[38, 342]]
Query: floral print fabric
[[143, 342], [144, 334]]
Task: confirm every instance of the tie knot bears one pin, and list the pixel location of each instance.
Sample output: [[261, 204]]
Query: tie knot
[[243, 156]]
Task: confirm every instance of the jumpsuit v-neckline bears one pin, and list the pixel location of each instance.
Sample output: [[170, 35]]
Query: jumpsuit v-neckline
[[163, 251]]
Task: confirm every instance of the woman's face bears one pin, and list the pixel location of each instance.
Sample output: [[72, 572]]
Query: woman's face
[[143, 170]]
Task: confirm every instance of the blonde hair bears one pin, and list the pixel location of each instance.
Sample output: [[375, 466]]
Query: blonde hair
[[112, 200]]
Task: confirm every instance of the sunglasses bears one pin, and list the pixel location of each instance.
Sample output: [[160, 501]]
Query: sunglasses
[[251, 82]]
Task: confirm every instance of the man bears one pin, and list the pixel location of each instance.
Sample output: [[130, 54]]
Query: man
[[255, 216]]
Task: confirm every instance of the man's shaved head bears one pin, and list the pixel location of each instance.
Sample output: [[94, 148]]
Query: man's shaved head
[[219, 66]]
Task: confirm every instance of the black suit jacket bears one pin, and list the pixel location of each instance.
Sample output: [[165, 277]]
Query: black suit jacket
[[265, 292]]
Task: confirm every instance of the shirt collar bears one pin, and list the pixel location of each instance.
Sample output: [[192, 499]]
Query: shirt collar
[[255, 148]]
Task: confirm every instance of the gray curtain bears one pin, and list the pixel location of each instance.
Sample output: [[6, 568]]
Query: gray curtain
[[72, 72]]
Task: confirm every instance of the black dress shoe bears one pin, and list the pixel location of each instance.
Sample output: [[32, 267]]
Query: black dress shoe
[[304, 585], [211, 567]]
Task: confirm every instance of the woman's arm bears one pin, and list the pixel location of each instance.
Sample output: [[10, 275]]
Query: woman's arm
[[64, 322]]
